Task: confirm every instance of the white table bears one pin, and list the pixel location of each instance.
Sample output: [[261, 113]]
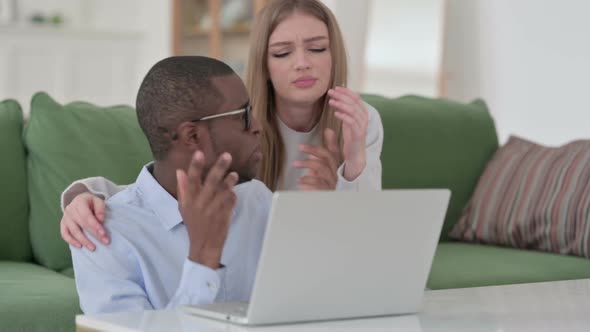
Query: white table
[[550, 306]]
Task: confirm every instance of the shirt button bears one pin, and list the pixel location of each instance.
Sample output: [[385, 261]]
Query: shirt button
[[212, 286]]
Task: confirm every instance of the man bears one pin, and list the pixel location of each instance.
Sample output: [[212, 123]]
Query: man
[[183, 234]]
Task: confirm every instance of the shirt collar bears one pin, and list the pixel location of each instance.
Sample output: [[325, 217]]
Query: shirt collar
[[157, 199]]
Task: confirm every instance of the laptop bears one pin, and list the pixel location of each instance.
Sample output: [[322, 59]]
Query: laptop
[[341, 255]]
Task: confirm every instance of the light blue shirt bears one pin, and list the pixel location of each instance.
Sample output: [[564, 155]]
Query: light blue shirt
[[146, 265]]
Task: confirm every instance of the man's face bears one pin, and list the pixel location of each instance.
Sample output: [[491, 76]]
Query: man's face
[[228, 134]]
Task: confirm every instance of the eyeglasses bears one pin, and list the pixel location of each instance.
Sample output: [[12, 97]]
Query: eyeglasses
[[246, 110]]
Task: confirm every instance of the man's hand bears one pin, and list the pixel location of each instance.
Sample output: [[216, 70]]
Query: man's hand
[[207, 207]]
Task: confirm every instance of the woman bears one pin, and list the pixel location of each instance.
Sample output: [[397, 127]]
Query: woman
[[316, 134]]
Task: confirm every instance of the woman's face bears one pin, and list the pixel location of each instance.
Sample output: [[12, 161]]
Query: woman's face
[[299, 59]]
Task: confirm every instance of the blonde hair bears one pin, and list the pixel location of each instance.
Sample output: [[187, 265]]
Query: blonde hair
[[261, 89]]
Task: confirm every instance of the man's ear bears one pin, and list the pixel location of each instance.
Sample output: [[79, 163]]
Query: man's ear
[[189, 134]]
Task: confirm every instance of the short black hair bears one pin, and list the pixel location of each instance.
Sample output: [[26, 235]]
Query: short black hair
[[175, 90]]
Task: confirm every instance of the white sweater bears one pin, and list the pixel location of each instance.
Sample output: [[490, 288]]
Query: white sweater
[[369, 179]]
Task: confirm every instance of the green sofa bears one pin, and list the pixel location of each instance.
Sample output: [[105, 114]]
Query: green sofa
[[429, 143]]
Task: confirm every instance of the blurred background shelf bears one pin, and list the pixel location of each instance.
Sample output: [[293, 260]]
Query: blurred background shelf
[[196, 31], [214, 28]]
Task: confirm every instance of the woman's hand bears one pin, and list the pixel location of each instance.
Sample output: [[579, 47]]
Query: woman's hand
[[85, 212], [322, 164], [353, 113]]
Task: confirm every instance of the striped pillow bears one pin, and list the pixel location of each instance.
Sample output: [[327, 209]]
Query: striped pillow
[[532, 197]]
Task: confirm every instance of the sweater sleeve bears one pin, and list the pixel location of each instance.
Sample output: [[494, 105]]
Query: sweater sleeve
[[97, 186]]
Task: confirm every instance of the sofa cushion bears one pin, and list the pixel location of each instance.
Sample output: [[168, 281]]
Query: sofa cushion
[[68, 272], [534, 197], [458, 265], [14, 213], [36, 299], [70, 142], [435, 143]]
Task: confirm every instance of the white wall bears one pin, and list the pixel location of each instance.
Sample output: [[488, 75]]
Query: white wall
[[352, 16], [529, 59], [100, 54], [68, 64], [150, 18], [155, 22], [403, 53]]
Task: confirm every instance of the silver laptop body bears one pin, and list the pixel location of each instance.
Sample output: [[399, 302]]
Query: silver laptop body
[[335, 255]]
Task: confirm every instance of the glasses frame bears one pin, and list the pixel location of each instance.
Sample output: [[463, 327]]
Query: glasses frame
[[247, 119]]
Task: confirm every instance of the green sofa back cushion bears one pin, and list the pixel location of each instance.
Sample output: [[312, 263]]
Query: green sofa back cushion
[[70, 142], [435, 143], [14, 211]]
